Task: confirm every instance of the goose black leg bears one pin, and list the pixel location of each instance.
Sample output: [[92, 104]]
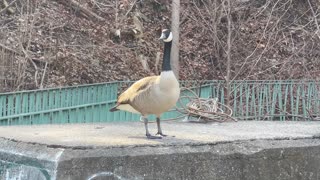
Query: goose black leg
[[149, 136], [159, 128]]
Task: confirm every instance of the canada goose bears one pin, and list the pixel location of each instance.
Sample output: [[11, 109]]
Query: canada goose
[[153, 94]]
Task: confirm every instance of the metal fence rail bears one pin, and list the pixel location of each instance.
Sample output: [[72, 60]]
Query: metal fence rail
[[259, 100], [276, 100]]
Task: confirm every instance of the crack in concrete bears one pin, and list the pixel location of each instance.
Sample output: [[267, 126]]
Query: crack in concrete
[[191, 144], [57, 158]]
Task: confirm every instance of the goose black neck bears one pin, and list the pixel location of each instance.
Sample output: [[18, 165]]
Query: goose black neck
[[166, 66]]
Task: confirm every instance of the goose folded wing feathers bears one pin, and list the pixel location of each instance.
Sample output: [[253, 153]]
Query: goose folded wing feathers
[[135, 90]]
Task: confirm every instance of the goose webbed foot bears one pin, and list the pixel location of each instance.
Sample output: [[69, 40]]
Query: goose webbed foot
[[161, 134], [149, 136]]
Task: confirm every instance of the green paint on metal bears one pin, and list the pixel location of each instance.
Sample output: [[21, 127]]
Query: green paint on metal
[[240, 101], [247, 100], [235, 105], [258, 100]]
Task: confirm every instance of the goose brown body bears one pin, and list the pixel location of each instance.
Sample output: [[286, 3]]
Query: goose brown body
[[151, 95]]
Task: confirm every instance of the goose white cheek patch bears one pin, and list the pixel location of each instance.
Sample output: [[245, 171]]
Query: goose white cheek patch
[[169, 38]]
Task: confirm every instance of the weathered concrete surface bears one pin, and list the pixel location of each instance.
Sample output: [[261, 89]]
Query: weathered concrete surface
[[243, 150]]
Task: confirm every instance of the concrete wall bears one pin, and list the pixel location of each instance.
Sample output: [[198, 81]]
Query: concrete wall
[[27, 161], [238, 160]]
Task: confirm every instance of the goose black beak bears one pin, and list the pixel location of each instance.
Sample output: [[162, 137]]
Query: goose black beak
[[162, 36]]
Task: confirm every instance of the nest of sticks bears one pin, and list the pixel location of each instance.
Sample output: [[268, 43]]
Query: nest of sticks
[[199, 109]]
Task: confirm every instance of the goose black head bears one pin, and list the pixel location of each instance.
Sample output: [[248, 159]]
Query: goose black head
[[166, 35]]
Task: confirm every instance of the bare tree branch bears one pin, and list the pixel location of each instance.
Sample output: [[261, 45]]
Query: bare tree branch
[[7, 7], [77, 6]]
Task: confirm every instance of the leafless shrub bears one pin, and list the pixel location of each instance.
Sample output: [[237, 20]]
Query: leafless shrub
[[274, 40]]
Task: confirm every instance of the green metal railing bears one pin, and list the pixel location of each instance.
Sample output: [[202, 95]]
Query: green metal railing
[[276, 100], [259, 100]]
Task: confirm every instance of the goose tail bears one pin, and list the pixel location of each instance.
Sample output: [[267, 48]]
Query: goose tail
[[115, 108]]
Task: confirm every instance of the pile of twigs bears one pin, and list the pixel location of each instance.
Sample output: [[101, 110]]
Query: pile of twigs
[[203, 109]]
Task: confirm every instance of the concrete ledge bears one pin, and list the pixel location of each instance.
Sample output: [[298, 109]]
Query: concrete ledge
[[242, 150]]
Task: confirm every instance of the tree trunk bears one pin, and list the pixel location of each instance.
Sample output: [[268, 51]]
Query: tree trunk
[[2, 68], [175, 31], [228, 52]]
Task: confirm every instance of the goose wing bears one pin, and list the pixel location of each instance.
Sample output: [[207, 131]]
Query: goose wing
[[135, 89]]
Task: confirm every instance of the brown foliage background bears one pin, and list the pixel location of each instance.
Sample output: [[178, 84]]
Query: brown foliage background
[[53, 43]]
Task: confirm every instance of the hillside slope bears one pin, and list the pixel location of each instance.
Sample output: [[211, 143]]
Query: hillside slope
[[58, 43]]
